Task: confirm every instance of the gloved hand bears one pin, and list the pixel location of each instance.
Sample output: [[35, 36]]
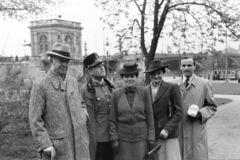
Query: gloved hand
[[49, 152], [193, 110], [164, 134], [115, 146], [150, 144]]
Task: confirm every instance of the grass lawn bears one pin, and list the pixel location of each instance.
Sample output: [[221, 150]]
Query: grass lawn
[[226, 88], [222, 101]]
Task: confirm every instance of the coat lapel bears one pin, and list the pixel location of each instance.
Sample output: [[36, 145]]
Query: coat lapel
[[150, 90], [55, 81], [179, 82], [161, 91]]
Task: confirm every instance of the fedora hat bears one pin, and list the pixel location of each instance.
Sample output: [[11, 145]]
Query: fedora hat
[[60, 50], [92, 60], [155, 65], [129, 68]]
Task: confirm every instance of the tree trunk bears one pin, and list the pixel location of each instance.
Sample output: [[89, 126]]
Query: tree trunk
[[150, 57]]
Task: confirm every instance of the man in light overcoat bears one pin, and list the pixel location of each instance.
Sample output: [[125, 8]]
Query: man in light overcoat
[[198, 107], [57, 120]]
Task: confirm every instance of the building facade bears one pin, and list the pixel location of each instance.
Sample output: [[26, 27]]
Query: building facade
[[44, 33]]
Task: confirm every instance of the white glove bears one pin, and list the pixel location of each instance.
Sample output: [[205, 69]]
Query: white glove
[[164, 133], [50, 151], [193, 110]]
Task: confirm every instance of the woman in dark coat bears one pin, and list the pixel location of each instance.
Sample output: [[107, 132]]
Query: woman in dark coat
[[131, 117]]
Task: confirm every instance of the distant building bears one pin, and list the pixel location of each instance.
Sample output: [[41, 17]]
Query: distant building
[[44, 33]]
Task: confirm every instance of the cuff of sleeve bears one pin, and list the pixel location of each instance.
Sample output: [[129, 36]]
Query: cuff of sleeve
[[151, 138], [198, 116], [113, 138], [43, 146]]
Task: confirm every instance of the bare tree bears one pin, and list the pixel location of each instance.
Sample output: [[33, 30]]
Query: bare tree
[[179, 19]]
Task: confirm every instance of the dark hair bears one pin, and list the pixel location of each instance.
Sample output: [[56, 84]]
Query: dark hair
[[136, 74], [189, 57]]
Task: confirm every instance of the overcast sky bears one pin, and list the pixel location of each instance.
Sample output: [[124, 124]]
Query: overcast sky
[[13, 33]]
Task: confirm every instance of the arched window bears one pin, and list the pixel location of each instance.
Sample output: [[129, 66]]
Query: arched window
[[68, 41], [43, 44]]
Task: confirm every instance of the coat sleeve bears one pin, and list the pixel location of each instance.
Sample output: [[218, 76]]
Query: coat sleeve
[[177, 108], [113, 117], [149, 115], [81, 92], [36, 111], [210, 107]]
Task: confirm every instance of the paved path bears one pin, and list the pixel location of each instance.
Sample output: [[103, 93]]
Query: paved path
[[224, 131]]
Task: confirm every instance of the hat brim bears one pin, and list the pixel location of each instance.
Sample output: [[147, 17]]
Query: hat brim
[[50, 53], [95, 63], [123, 72], [154, 69]]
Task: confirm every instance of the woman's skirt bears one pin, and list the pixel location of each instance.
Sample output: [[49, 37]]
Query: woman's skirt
[[131, 150], [170, 150]]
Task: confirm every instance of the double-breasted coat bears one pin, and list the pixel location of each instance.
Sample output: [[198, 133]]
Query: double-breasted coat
[[167, 109], [93, 103], [58, 119], [193, 135]]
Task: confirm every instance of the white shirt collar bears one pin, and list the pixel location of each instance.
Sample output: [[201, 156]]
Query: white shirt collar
[[184, 79]]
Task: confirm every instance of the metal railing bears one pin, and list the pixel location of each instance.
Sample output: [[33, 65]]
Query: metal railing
[[20, 59]]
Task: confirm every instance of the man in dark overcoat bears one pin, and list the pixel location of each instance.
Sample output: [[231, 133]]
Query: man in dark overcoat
[[57, 120], [96, 94]]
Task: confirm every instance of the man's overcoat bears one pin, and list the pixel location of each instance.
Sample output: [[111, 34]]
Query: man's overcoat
[[193, 139], [57, 118]]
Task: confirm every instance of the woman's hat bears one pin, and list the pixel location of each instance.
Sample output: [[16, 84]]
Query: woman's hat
[[129, 68], [92, 60], [155, 65], [60, 50]]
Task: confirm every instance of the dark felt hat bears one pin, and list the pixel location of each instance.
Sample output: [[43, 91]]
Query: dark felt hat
[[129, 68], [60, 50], [92, 60], [155, 65]]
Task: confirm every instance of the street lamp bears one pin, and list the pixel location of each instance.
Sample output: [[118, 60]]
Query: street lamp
[[25, 49], [107, 49], [224, 19]]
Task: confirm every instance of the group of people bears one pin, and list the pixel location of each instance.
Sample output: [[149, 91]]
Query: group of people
[[98, 121]]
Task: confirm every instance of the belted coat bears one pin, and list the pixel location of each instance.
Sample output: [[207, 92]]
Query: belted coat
[[193, 133], [92, 104], [58, 119]]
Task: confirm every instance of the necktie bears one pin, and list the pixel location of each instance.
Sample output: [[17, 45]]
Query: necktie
[[187, 82]]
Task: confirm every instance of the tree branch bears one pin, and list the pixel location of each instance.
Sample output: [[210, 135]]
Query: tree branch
[[138, 6], [195, 3], [12, 9], [143, 46], [135, 20], [163, 17], [161, 3]]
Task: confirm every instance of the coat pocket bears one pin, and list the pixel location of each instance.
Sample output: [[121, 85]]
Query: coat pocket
[[59, 142]]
